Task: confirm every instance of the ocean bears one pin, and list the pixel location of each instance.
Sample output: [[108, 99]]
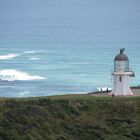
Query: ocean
[[65, 47]]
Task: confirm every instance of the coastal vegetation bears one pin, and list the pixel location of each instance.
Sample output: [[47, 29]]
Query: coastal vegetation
[[70, 117]]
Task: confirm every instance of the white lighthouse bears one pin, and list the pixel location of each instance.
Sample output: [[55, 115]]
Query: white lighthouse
[[121, 75]]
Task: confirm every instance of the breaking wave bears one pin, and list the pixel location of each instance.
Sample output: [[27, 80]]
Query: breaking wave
[[14, 75], [8, 56], [14, 55]]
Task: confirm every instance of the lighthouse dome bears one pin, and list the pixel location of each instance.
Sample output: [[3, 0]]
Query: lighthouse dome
[[121, 56]]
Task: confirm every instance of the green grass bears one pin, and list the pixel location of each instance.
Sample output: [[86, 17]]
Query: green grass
[[70, 117]]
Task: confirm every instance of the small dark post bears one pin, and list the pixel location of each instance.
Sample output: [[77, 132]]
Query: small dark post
[[107, 89], [113, 95]]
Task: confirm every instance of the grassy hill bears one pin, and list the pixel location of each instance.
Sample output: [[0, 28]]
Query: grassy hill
[[72, 117]]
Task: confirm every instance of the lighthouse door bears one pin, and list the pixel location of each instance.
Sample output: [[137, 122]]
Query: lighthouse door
[[119, 85]]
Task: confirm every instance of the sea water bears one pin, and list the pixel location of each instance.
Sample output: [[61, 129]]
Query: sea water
[[65, 47]]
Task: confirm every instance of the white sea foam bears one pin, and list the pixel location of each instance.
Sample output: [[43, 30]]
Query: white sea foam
[[8, 56], [31, 52], [14, 75], [34, 58]]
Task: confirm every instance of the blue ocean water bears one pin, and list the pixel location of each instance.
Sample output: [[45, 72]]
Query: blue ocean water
[[61, 47]]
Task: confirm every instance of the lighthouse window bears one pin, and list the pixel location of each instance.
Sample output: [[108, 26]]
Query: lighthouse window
[[120, 79]]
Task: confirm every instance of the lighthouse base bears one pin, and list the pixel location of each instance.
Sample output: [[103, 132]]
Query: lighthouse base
[[128, 93], [121, 84]]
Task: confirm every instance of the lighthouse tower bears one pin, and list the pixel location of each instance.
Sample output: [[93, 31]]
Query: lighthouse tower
[[121, 75]]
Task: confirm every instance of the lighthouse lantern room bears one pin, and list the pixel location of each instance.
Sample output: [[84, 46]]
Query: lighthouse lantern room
[[121, 75]]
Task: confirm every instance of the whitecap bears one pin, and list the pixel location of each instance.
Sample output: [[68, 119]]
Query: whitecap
[[31, 52], [14, 75], [8, 56], [34, 58]]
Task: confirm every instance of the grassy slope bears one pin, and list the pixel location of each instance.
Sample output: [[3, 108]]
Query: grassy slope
[[72, 117]]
